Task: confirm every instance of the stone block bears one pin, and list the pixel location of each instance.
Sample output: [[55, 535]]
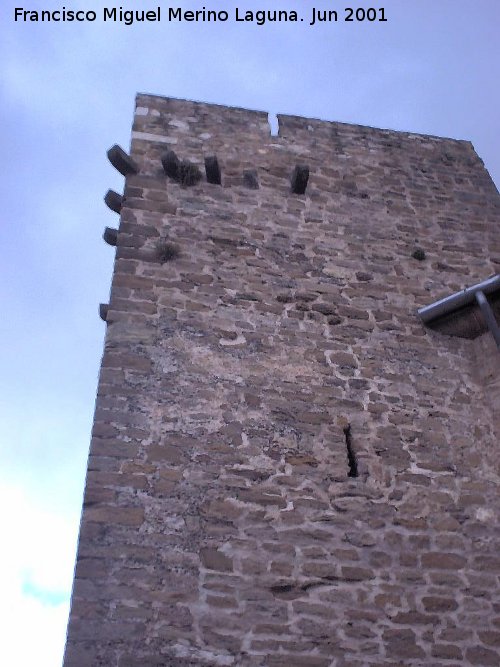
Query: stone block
[[443, 561], [213, 559], [110, 235], [113, 201], [121, 161], [110, 514], [250, 179]]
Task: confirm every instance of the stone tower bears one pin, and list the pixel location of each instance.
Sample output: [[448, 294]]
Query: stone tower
[[288, 468]]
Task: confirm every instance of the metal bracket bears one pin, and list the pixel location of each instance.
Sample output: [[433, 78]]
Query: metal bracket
[[452, 303], [489, 316]]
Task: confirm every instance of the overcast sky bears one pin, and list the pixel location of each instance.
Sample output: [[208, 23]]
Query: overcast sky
[[67, 94]]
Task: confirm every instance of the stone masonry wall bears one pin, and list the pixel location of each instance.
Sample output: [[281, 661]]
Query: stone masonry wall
[[244, 380]]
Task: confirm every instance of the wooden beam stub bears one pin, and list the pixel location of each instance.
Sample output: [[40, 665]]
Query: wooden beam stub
[[170, 163], [300, 177], [103, 311], [212, 170], [250, 179], [121, 161], [113, 201], [110, 236]]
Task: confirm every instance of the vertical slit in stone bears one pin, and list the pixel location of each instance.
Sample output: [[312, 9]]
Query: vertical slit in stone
[[351, 456]]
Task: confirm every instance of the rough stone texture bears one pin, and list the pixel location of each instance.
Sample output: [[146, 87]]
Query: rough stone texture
[[220, 526]]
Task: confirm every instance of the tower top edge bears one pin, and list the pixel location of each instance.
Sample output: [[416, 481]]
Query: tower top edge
[[179, 102], [286, 121]]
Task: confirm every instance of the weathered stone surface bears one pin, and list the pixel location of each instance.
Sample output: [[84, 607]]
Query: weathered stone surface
[[250, 179], [220, 524], [402, 644]]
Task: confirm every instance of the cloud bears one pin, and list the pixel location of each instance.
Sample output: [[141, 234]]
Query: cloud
[[46, 596], [35, 577]]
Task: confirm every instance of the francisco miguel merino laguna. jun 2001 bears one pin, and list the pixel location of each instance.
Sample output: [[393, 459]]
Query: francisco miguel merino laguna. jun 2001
[[203, 15]]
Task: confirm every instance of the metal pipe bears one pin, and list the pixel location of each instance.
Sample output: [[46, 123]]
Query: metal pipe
[[489, 316], [459, 299]]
